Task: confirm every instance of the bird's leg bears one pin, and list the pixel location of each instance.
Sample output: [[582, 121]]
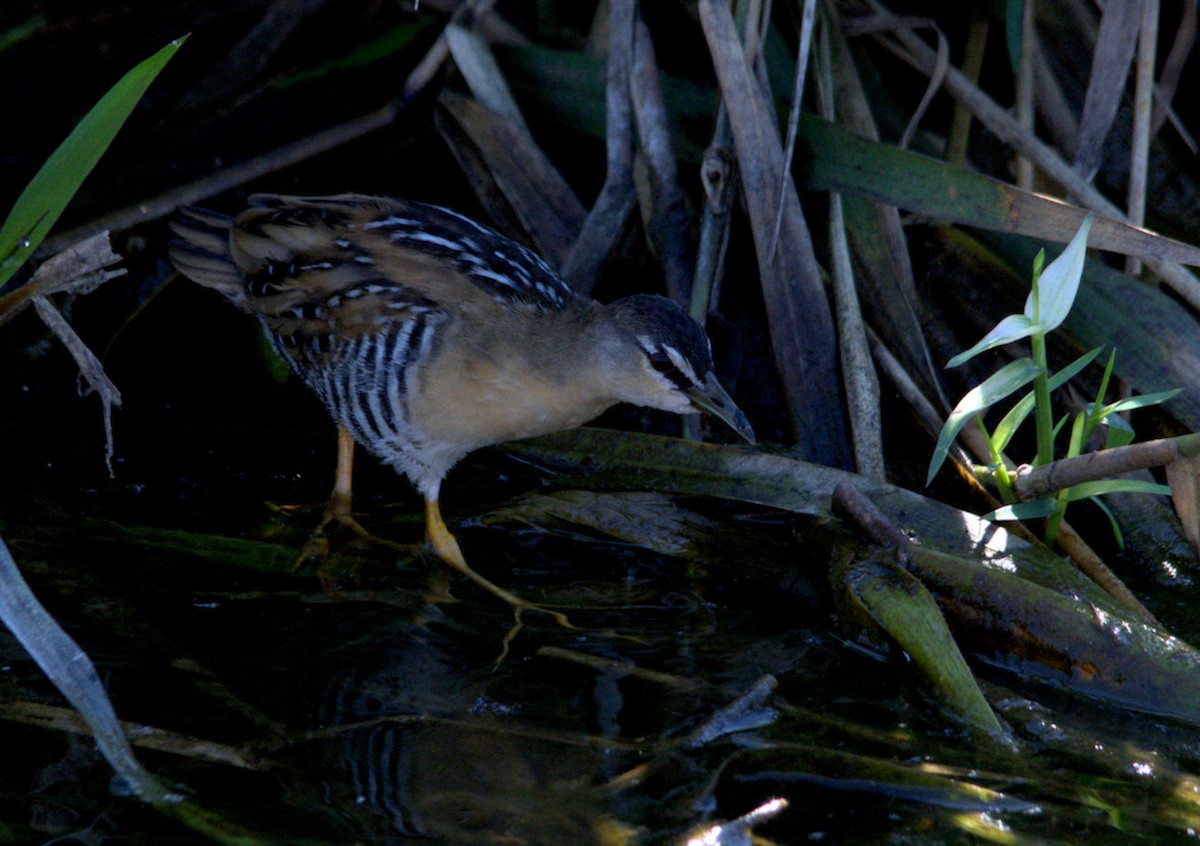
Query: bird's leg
[[339, 501], [445, 545], [337, 510]]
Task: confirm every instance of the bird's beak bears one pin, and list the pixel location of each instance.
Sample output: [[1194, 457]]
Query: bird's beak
[[711, 397]]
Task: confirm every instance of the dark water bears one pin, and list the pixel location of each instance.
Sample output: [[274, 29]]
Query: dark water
[[369, 714]]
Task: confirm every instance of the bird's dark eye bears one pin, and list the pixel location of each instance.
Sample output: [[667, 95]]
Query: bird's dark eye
[[664, 364], [661, 362]]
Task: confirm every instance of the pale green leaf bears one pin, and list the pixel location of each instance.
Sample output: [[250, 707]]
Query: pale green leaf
[[1032, 510], [1012, 328], [1059, 282], [1140, 401]]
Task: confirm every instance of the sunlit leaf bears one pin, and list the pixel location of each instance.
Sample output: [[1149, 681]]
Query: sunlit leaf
[[1008, 425], [1059, 282], [1140, 401], [1005, 381], [897, 601], [1032, 510], [1012, 328]]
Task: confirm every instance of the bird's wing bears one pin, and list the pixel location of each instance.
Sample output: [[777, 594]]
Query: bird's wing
[[348, 264]]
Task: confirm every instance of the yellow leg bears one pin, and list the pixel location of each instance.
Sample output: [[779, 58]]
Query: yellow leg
[[444, 544], [339, 501], [337, 510]]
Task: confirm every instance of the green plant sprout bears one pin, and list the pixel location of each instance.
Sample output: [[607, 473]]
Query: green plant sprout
[[1050, 299]]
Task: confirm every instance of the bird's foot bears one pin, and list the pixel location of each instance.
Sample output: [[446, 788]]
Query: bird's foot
[[446, 547], [338, 529]]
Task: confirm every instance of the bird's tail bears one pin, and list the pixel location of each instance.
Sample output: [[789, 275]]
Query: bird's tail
[[201, 251]]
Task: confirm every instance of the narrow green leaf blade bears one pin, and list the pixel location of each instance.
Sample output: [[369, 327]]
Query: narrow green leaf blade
[[1140, 401], [1005, 381], [47, 194], [1012, 421], [1008, 425], [1105, 486]]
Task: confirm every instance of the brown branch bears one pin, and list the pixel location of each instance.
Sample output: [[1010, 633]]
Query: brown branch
[[1033, 482], [78, 269]]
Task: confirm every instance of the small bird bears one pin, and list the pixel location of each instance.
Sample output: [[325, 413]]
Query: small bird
[[428, 335]]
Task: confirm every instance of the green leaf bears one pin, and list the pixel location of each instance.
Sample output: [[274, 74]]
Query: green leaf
[[1105, 486], [1032, 510], [21, 31], [1005, 381], [1008, 426], [568, 87], [1118, 436], [1140, 401], [38, 207], [1114, 421], [897, 602], [1012, 328], [1059, 282], [1056, 286], [1112, 520]]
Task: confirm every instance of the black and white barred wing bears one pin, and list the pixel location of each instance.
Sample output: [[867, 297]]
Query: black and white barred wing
[[440, 255]]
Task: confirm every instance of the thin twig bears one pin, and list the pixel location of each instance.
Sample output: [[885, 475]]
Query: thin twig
[[1033, 482], [806, 34], [90, 368], [747, 711], [668, 218], [1172, 69], [1139, 153], [858, 375], [886, 23], [230, 177], [1026, 90], [140, 735], [79, 269], [608, 216]]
